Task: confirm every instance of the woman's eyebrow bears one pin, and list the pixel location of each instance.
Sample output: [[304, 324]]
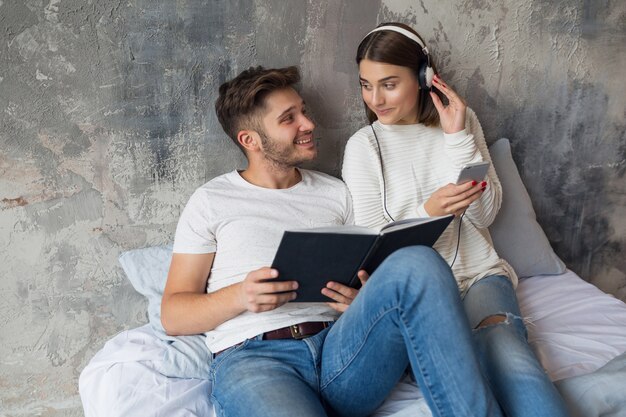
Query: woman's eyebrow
[[382, 80]]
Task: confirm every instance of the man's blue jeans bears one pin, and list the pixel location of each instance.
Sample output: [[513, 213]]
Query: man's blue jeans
[[409, 313]]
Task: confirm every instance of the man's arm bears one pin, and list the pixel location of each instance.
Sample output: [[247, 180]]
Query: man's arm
[[187, 309]]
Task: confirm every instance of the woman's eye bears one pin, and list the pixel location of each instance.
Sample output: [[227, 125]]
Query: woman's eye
[[390, 86], [366, 86]]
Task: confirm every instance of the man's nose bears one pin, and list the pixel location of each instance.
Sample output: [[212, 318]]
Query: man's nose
[[307, 124]]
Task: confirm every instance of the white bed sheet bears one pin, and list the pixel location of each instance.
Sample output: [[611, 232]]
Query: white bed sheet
[[574, 328]]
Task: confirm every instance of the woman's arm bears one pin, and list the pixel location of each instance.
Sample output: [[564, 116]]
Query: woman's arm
[[464, 146], [361, 171], [483, 211]]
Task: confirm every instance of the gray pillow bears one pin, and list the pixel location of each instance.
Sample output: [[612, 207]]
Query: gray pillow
[[516, 235]]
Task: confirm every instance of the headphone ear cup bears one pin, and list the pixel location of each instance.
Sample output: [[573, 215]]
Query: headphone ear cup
[[425, 76], [430, 74]]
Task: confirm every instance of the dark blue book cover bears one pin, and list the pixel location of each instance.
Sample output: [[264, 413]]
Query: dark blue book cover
[[315, 256]]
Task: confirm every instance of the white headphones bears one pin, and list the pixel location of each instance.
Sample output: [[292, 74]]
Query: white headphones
[[426, 73]]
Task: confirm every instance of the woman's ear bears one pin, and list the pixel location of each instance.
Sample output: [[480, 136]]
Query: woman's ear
[[249, 140]]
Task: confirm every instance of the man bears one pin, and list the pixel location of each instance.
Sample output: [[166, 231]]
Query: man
[[276, 358]]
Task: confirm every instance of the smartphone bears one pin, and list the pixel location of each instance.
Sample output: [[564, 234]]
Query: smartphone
[[473, 172]]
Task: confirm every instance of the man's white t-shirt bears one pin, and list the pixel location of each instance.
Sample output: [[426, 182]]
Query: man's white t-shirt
[[243, 225]]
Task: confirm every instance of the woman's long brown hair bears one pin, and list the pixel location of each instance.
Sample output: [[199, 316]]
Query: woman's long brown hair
[[393, 48]]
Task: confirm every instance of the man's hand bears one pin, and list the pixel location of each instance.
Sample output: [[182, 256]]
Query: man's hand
[[342, 294], [454, 199], [257, 294]]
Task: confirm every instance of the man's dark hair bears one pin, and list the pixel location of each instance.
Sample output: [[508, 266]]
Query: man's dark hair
[[241, 98]]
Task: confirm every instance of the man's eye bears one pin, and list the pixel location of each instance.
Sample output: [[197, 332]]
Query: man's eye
[[288, 119]]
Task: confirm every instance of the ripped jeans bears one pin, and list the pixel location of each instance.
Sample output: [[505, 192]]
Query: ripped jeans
[[515, 376]]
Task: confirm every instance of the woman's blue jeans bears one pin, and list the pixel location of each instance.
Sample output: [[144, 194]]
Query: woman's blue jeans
[[515, 376], [409, 313]]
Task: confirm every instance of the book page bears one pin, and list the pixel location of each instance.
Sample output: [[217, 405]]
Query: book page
[[403, 224], [347, 230]]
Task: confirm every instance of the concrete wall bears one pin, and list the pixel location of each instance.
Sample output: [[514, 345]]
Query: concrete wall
[[107, 126]]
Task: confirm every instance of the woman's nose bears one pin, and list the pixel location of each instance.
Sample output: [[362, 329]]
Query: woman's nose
[[377, 97]]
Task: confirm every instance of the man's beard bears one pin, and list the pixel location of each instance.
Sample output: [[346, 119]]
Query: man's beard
[[281, 156]]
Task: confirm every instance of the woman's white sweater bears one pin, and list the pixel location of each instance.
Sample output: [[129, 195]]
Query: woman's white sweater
[[417, 161]]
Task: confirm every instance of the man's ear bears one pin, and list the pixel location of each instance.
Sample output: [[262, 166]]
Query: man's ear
[[249, 140]]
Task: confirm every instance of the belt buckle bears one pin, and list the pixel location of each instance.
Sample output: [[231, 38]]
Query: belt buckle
[[295, 332]]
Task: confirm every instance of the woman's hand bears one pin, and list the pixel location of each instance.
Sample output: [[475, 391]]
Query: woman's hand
[[342, 294], [452, 116], [454, 199]]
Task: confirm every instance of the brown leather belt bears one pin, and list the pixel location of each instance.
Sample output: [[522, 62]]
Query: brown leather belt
[[296, 331]]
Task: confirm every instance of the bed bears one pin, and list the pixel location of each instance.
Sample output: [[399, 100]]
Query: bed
[[577, 331]]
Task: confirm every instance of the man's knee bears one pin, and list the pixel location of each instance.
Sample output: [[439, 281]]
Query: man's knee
[[421, 261], [415, 251], [416, 268]]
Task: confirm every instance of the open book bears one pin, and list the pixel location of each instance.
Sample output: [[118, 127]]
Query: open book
[[315, 256]]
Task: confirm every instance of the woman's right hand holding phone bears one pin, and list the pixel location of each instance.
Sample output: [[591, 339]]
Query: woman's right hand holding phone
[[453, 198]]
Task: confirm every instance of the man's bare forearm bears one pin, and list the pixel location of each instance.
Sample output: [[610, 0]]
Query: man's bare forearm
[[188, 313]]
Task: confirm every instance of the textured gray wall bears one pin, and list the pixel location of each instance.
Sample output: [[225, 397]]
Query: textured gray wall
[[107, 126]]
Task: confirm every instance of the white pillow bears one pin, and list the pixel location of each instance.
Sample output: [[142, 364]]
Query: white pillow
[[516, 235], [146, 269]]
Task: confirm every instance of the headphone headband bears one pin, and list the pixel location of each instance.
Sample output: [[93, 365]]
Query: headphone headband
[[401, 31]]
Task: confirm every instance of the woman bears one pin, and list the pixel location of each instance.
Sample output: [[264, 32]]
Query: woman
[[404, 164]]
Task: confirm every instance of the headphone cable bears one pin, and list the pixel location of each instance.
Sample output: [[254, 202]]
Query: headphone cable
[[382, 170], [458, 240]]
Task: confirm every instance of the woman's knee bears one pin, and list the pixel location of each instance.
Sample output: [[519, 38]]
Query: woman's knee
[[504, 320]]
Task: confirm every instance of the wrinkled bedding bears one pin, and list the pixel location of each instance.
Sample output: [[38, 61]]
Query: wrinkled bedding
[[577, 331]]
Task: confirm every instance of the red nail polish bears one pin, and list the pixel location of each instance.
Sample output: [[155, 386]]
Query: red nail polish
[[483, 189], [484, 184], [474, 183]]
